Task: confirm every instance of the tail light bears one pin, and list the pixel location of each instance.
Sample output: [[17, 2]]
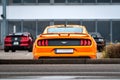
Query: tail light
[[24, 38], [85, 42], [42, 42], [8, 39]]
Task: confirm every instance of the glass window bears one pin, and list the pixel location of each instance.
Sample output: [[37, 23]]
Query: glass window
[[16, 1], [59, 1], [65, 30], [41, 26], [90, 25], [73, 22], [116, 31], [103, 27], [59, 22], [88, 1], [0, 1], [29, 1], [103, 1], [30, 26], [43, 1], [116, 1], [11, 25], [73, 1]]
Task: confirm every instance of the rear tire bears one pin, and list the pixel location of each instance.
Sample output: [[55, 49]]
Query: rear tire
[[30, 50], [13, 50], [6, 50]]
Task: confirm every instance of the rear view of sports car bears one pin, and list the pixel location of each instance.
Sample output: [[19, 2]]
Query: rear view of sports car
[[64, 41], [99, 40], [18, 41]]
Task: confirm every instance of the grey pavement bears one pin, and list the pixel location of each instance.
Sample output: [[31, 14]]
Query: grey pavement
[[61, 71], [16, 55], [23, 55]]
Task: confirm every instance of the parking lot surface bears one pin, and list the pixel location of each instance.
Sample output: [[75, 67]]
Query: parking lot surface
[[16, 55], [23, 55]]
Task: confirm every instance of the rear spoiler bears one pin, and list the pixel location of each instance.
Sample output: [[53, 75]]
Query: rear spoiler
[[64, 34]]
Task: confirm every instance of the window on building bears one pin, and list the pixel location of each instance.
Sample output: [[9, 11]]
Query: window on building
[[41, 26], [29, 1], [0, 1], [116, 1], [104, 1], [30, 26], [14, 1], [88, 1], [90, 25], [11, 25], [59, 22], [59, 1], [43, 1], [73, 1], [103, 27], [73, 22], [116, 31]]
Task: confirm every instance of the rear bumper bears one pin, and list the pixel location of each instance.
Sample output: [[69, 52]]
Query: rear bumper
[[36, 57], [16, 47], [75, 55], [100, 46], [49, 52]]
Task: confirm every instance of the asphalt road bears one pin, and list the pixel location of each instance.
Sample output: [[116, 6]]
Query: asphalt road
[[55, 71], [61, 69], [90, 71]]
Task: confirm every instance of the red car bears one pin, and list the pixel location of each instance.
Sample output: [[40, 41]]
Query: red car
[[18, 41]]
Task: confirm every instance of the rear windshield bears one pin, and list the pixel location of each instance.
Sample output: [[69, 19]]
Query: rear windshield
[[18, 34], [65, 30], [95, 35]]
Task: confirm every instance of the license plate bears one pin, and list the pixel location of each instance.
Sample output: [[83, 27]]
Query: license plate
[[64, 51], [16, 43]]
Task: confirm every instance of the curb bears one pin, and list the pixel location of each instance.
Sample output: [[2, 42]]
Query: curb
[[62, 61]]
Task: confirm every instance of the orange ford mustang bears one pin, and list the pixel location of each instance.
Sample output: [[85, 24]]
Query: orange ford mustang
[[64, 41]]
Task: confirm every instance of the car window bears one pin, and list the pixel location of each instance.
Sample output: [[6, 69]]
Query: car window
[[17, 34], [65, 30], [95, 35]]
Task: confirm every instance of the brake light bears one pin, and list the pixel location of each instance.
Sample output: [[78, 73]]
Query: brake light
[[42, 42], [85, 42], [24, 38], [8, 39]]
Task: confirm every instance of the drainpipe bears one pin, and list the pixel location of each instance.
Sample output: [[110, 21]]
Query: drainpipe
[[3, 27]]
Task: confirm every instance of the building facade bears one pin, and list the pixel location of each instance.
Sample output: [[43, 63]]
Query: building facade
[[33, 16]]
